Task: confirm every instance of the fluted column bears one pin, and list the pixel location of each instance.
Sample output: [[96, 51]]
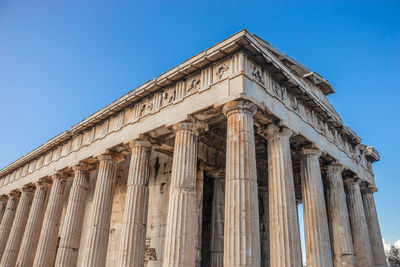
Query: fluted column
[[47, 245], [217, 222], [30, 240], [67, 253], [99, 227], [283, 221], [342, 242], [316, 229], [17, 230], [181, 230], [3, 204], [241, 229], [8, 218], [373, 226], [133, 237], [362, 245]]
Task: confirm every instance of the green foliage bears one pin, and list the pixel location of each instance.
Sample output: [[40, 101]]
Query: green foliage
[[393, 256]]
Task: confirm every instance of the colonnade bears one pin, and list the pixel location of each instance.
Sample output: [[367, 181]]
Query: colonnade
[[339, 231]]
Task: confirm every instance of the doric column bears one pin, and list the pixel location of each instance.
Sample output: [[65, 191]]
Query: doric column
[[68, 249], [7, 220], [362, 245], [373, 226], [180, 237], [47, 245], [316, 229], [133, 237], [217, 221], [283, 222], [3, 204], [99, 227], [30, 240], [342, 243], [17, 230], [241, 230]]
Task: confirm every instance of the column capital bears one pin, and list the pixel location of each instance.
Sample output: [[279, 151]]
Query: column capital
[[352, 181], [14, 193], [368, 189], [334, 168], [272, 131], [217, 174], [194, 127], [111, 156], [59, 175], [240, 105], [42, 183], [142, 142], [81, 166], [27, 188], [311, 152]]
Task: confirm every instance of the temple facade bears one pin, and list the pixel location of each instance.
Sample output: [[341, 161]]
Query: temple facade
[[204, 165]]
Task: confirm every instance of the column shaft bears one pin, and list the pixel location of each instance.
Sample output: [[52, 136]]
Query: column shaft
[[98, 232], [316, 229], [217, 223], [30, 240], [241, 230], [362, 245], [67, 254], [17, 230], [373, 227], [133, 237], [179, 247], [7, 221], [283, 221], [47, 245], [3, 204], [342, 242]]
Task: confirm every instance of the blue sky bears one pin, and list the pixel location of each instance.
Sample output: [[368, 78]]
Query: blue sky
[[60, 61]]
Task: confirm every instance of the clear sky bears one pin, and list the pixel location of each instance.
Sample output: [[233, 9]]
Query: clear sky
[[60, 61]]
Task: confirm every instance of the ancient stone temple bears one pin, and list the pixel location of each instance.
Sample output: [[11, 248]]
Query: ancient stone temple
[[204, 165]]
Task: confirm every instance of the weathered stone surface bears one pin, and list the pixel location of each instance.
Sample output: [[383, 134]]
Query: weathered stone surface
[[179, 248], [47, 245], [136, 205], [283, 221], [241, 230], [217, 222], [8, 218], [31, 236], [199, 214], [264, 227], [97, 236], [359, 228], [342, 242], [226, 77], [316, 229], [17, 230], [3, 204], [67, 253], [373, 227]]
